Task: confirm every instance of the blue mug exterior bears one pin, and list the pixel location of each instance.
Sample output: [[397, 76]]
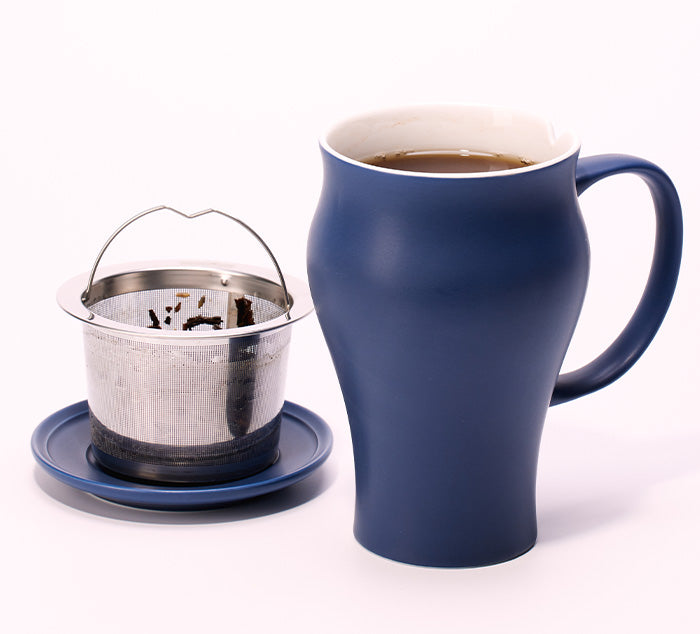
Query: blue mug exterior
[[448, 303]]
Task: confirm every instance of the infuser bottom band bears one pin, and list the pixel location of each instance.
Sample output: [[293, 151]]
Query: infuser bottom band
[[191, 464]]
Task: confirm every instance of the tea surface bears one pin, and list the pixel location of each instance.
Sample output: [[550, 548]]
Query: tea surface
[[444, 162]]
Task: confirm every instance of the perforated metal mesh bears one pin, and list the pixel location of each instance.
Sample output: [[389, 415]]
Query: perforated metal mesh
[[183, 395], [175, 401]]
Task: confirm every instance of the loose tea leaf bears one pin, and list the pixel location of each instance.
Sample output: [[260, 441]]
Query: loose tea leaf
[[245, 312], [168, 309], [154, 319], [178, 307], [202, 299], [167, 320], [199, 320]]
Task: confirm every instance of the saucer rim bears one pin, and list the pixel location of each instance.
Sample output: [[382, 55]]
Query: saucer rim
[[169, 497]]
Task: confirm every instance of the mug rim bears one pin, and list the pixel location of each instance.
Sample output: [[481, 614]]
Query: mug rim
[[573, 146]]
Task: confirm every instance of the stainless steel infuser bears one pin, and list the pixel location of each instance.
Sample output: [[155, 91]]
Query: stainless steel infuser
[[186, 362]]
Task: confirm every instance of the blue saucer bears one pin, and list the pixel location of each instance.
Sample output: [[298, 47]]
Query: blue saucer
[[61, 445]]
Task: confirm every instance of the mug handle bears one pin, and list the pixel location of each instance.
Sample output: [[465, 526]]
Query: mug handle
[[638, 333]]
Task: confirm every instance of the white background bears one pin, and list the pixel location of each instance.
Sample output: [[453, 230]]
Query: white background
[[111, 108]]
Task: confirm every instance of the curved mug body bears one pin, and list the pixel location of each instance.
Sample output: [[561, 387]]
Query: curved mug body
[[448, 302]]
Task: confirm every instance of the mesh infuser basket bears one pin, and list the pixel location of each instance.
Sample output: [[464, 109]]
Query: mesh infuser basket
[[182, 387]]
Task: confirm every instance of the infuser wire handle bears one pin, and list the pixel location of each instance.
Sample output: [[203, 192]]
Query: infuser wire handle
[[86, 292]]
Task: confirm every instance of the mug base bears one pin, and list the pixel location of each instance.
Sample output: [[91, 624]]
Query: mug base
[[450, 560]]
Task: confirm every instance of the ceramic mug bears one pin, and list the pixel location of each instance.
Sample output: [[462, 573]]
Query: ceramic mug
[[448, 302]]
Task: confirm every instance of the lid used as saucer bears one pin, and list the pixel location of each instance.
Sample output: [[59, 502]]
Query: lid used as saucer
[[61, 446]]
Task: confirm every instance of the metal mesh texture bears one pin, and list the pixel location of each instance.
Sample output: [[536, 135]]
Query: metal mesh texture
[[181, 401]]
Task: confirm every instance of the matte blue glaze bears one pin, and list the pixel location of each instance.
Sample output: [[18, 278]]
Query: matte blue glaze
[[61, 446], [448, 305]]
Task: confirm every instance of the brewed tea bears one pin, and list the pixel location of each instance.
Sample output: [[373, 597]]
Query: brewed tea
[[446, 161]]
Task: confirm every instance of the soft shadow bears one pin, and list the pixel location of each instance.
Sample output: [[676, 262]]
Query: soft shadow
[[268, 504], [597, 478], [562, 521]]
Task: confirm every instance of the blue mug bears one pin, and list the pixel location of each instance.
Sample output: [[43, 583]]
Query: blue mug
[[448, 302]]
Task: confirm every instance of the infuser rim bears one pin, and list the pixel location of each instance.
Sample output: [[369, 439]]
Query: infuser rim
[[69, 298]]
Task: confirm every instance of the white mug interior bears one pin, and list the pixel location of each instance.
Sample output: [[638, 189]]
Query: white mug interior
[[451, 128]]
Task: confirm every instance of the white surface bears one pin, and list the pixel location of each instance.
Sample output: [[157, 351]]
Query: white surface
[[111, 108]]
